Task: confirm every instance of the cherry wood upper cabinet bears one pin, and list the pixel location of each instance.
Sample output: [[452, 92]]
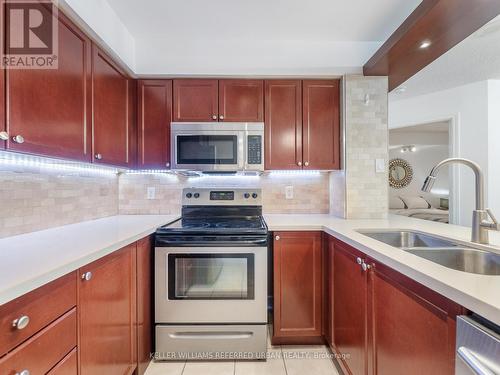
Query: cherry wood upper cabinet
[[298, 278], [241, 100], [350, 310], [283, 124], [413, 327], [321, 124], [154, 118], [107, 314], [51, 109], [113, 115], [144, 304], [196, 100]]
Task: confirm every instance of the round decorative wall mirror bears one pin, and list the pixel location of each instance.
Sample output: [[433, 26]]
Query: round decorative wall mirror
[[400, 173]]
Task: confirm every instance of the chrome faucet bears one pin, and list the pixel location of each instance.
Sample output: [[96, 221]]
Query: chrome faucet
[[481, 216]]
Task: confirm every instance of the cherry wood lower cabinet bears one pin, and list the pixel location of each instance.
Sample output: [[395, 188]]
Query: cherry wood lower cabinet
[[154, 118], [350, 309], [144, 303], [107, 314], [298, 278], [384, 322]]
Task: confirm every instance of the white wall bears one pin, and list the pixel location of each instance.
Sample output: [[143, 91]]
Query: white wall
[[494, 145], [467, 106]]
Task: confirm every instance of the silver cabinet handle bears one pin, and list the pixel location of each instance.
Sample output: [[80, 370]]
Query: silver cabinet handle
[[359, 260], [473, 362], [24, 372], [365, 266], [4, 136], [299, 164], [214, 117], [306, 163], [277, 238], [221, 117], [98, 156], [167, 164], [18, 139], [21, 322], [87, 276]]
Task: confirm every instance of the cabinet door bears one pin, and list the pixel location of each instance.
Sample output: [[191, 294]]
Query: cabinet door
[[297, 288], [196, 100], [107, 314], [283, 124], [329, 290], [51, 108], [144, 303], [413, 327], [3, 133], [350, 310], [321, 124], [241, 100], [155, 116], [112, 112]]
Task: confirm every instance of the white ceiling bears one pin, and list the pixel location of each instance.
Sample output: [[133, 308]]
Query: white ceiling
[[269, 37], [475, 59]]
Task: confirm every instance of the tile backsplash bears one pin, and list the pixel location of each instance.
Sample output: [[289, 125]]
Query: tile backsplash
[[36, 199], [311, 192]]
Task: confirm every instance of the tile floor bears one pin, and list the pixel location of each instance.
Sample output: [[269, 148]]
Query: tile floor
[[284, 360]]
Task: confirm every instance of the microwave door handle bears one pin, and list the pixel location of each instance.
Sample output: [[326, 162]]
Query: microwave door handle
[[473, 362], [242, 149]]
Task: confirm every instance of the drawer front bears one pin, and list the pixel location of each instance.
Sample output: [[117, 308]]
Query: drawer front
[[41, 306], [210, 342], [44, 350], [68, 366]]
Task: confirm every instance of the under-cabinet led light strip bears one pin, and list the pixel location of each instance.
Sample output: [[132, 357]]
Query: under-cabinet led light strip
[[12, 160]]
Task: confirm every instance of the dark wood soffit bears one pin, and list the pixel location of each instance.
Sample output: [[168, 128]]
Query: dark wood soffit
[[445, 23]]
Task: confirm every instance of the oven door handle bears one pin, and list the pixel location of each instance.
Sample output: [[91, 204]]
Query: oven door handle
[[473, 362], [210, 335], [203, 242]]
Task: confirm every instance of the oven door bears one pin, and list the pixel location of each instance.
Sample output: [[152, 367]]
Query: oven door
[[208, 150], [211, 285]]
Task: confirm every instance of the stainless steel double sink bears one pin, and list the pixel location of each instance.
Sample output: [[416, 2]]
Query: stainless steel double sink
[[448, 253]]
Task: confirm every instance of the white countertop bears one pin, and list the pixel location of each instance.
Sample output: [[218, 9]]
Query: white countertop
[[478, 293], [31, 260]]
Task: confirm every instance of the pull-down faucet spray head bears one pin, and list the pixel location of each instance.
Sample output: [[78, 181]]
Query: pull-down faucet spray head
[[428, 184]]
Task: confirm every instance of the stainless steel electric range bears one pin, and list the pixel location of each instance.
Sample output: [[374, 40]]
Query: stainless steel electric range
[[211, 278]]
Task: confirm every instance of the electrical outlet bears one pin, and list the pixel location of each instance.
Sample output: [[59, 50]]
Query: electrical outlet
[[289, 192], [151, 192], [379, 165]]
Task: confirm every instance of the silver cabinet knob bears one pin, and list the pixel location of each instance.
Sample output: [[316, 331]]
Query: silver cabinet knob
[[4, 136], [18, 139], [221, 117], [299, 164], [277, 238], [167, 164], [306, 163], [365, 266], [214, 117], [24, 372], [87, 276], [21, 322], [359, 260], [98, 156]]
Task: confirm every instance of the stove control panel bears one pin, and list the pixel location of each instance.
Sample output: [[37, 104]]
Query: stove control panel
[[221, 197]]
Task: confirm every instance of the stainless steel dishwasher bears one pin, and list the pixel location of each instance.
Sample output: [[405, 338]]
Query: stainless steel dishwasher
[[478, 347]]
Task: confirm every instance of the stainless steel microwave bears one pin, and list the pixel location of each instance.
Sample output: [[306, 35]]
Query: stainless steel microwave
[[217, 147]]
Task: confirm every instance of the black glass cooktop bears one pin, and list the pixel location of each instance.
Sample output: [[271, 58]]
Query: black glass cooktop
[[219, 225]]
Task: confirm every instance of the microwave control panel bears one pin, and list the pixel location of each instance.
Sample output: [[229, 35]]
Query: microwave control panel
[[254, 149]]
